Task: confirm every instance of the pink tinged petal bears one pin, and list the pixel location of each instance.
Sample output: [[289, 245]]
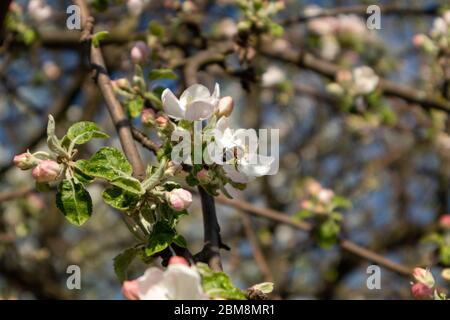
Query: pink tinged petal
[[199, 110], [193, 93], [178, 260], [171, 105], [130, 290]]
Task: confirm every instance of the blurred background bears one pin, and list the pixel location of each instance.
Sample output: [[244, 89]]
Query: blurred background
[[389, 158]]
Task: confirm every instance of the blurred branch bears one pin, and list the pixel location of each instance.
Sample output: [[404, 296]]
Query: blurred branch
[[387, 9], [11, 195], [346, 245]]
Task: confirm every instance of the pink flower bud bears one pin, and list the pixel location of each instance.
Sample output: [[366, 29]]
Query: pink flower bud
[[423, 276], [325, 195], [130, 290], [162, 121], [419, 40], [46, 171], [25, 161], [226, 105], [421, 292], [343, 76], [444, 222], [178, 260], [203, 176], [139, 52], [179, 199], [148, 117]]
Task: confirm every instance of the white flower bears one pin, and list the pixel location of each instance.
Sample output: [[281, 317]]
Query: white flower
[[243, 164], [135, 7], [177, 282], [440, 28], [364, 80], [351, 24], [273, 76], [312, 10], [329, 47], [196, 103], [39, 10], [323, 26]]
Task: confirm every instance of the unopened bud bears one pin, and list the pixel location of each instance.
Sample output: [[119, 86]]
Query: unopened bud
[[444, 222], [139, 52], [423, 276], [203, 176], [162, 121], [178, 260], [46, 171], [226, 105], [445, 274], [179, 199], [148, 117], [25, 161], [421, 292]]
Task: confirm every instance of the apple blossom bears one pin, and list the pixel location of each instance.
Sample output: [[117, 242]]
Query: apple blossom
[[195, 103], [226, 105], [130, 290], [273, 76], [46, 171], [365, 80], [25, 161], [325, 195], [139, 52], [39, 10], [179, 199], [135, 7], [177, 282]]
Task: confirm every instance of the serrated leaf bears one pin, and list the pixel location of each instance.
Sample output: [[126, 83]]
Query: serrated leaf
[[218, 284], [82, 132], [129, 184], [122, 261], [156, 74], [108, 163], [119, 199], [79, 173], [74, 202]]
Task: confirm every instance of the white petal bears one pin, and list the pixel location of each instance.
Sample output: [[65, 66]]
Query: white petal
[[256, 165], [235, 175], [194, 93], [171, 105], [199, 110], [183, 283], [150, 278]]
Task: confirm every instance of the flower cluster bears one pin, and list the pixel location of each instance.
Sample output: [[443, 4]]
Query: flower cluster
[[360, 81], [439, 36], [423, 288], [333, 32]]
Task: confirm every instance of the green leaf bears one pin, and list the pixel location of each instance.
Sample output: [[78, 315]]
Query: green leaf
[[156, 29], [340, 202], [52, 141], [326, 233], [99, 36], [108, 163], [79, 174], [156, 74], [82, 132], [444, 254], [218, 284], [119, 199], [134, 106], [264, 287], [180, 241], [161, 237], [129, 184], [155, 178], [74, 202], [123, 261]]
